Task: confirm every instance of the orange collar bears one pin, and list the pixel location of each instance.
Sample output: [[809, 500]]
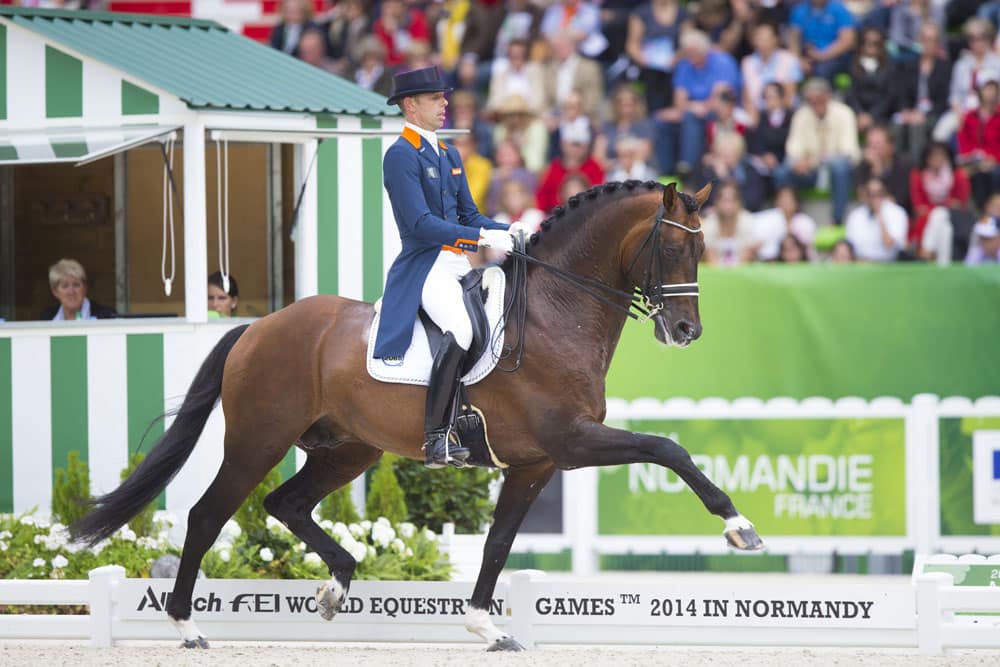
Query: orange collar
[[414, 138], [411, 135]]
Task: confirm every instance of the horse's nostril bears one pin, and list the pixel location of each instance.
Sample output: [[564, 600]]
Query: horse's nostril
[[688, 329]]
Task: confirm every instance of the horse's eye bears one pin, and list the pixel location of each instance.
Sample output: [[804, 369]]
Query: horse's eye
[[671, 252]]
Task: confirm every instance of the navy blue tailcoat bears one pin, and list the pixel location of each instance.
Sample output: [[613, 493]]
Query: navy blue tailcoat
[[434, 211]]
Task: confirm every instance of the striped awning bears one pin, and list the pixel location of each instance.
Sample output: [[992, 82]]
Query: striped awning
[[75, 145]]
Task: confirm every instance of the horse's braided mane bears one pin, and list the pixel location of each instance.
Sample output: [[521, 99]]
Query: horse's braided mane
[[574, 203]]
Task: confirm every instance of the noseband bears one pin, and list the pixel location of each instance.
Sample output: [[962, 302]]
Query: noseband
[[649, 299]]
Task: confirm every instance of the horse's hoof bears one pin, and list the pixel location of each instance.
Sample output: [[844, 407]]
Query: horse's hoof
[[200, 642], [505, 644], [744, 539], [328, 602]]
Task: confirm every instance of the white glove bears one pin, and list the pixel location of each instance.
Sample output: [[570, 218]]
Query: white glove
[[497, 239], [519, 226]]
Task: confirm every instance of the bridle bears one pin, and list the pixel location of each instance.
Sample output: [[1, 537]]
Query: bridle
[[646, 301], [654, 273]]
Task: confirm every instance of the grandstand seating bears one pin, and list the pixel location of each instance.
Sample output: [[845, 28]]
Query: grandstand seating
[[252, 18]]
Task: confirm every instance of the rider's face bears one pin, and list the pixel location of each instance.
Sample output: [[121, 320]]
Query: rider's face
[[427, 110]]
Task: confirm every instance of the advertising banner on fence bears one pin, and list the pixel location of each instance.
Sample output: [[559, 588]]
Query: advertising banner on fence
[[681, 603], [293, 600], [962, 476], [816, 477]]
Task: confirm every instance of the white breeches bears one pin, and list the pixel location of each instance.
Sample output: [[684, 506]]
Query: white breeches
[[938, 235], [441, 297]]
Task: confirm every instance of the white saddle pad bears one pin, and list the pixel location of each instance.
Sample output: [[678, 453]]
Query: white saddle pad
[[415, 367]]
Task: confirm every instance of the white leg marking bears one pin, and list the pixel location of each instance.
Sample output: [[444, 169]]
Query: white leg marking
[[329, 597], [738, 522], [477, 621], [189, 632]]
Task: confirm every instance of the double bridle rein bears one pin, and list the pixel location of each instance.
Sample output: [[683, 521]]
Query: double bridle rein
[[647, 301]]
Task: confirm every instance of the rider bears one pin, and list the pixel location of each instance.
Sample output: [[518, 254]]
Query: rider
[[438, 224]]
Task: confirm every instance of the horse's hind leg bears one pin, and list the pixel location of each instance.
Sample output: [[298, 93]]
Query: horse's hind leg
[[292, 503], [233, 483]]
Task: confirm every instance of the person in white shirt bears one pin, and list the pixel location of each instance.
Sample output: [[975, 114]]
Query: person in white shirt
[[774, 224], [877, 230], [728, 228], [985, 246]]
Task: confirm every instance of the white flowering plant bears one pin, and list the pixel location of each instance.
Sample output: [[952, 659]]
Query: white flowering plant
[[33, 547], [252, 544], [383, 551]]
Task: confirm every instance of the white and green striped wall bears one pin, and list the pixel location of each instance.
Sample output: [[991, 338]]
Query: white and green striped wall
[[356, 235], [95, 388], [51, 86]]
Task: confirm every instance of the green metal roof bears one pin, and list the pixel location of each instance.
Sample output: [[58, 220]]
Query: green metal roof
[[201, 62]]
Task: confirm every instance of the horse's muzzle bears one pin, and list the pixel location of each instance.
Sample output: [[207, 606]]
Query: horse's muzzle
[[680, 333]]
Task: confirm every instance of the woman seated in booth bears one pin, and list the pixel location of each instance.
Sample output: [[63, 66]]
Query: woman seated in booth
[[222, 302], [68, 282]]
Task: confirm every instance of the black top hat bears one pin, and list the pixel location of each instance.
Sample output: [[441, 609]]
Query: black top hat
[[426, 80]]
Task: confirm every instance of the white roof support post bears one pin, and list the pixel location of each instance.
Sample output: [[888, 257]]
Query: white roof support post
[[306, 236], [195, 221]]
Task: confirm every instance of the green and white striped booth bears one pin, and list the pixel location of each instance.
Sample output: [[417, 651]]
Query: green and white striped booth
[[82, 86]]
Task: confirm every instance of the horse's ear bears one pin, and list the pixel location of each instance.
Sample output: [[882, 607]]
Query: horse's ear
[[669, 196], [702, 195]]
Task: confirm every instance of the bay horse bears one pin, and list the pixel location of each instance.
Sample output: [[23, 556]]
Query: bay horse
[[298, 376]]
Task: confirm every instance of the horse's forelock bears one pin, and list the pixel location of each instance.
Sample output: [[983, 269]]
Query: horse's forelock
[[690, 203]]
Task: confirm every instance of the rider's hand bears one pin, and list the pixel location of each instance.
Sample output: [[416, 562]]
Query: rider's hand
[[516, 227], [498, 239]]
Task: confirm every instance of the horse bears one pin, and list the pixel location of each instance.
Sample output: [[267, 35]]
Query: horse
[[297, 376]]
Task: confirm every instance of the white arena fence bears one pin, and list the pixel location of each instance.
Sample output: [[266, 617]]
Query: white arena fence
[[535, 610], [958, 602]]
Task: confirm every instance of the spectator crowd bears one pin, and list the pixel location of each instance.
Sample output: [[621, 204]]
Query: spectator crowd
[[854, 129]]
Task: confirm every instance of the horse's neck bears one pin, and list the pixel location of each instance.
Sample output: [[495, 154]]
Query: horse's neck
[[582, 323]]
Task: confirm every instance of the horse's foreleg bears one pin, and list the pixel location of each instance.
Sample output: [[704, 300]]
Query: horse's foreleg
[[520, 488], [325, 470], [594, 444]]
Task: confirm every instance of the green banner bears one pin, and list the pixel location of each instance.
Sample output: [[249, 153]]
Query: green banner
[[955, 474], [825, 330], [968, 574], [815, 477]]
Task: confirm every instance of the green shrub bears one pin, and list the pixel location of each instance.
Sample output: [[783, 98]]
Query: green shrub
[[385, 497], [338, 506], [435, 497], [71, 490], [142, 523]]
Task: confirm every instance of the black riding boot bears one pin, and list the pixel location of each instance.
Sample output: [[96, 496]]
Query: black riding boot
[[441, 445]]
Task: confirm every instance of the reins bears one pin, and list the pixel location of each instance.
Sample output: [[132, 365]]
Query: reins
[[639, 299]]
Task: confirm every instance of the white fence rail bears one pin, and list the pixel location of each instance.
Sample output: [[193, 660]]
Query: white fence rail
[[37, 592], [536, 610], [958, 601], [937, 625]]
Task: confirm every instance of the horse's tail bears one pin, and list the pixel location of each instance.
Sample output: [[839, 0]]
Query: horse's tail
[[111, 511]]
